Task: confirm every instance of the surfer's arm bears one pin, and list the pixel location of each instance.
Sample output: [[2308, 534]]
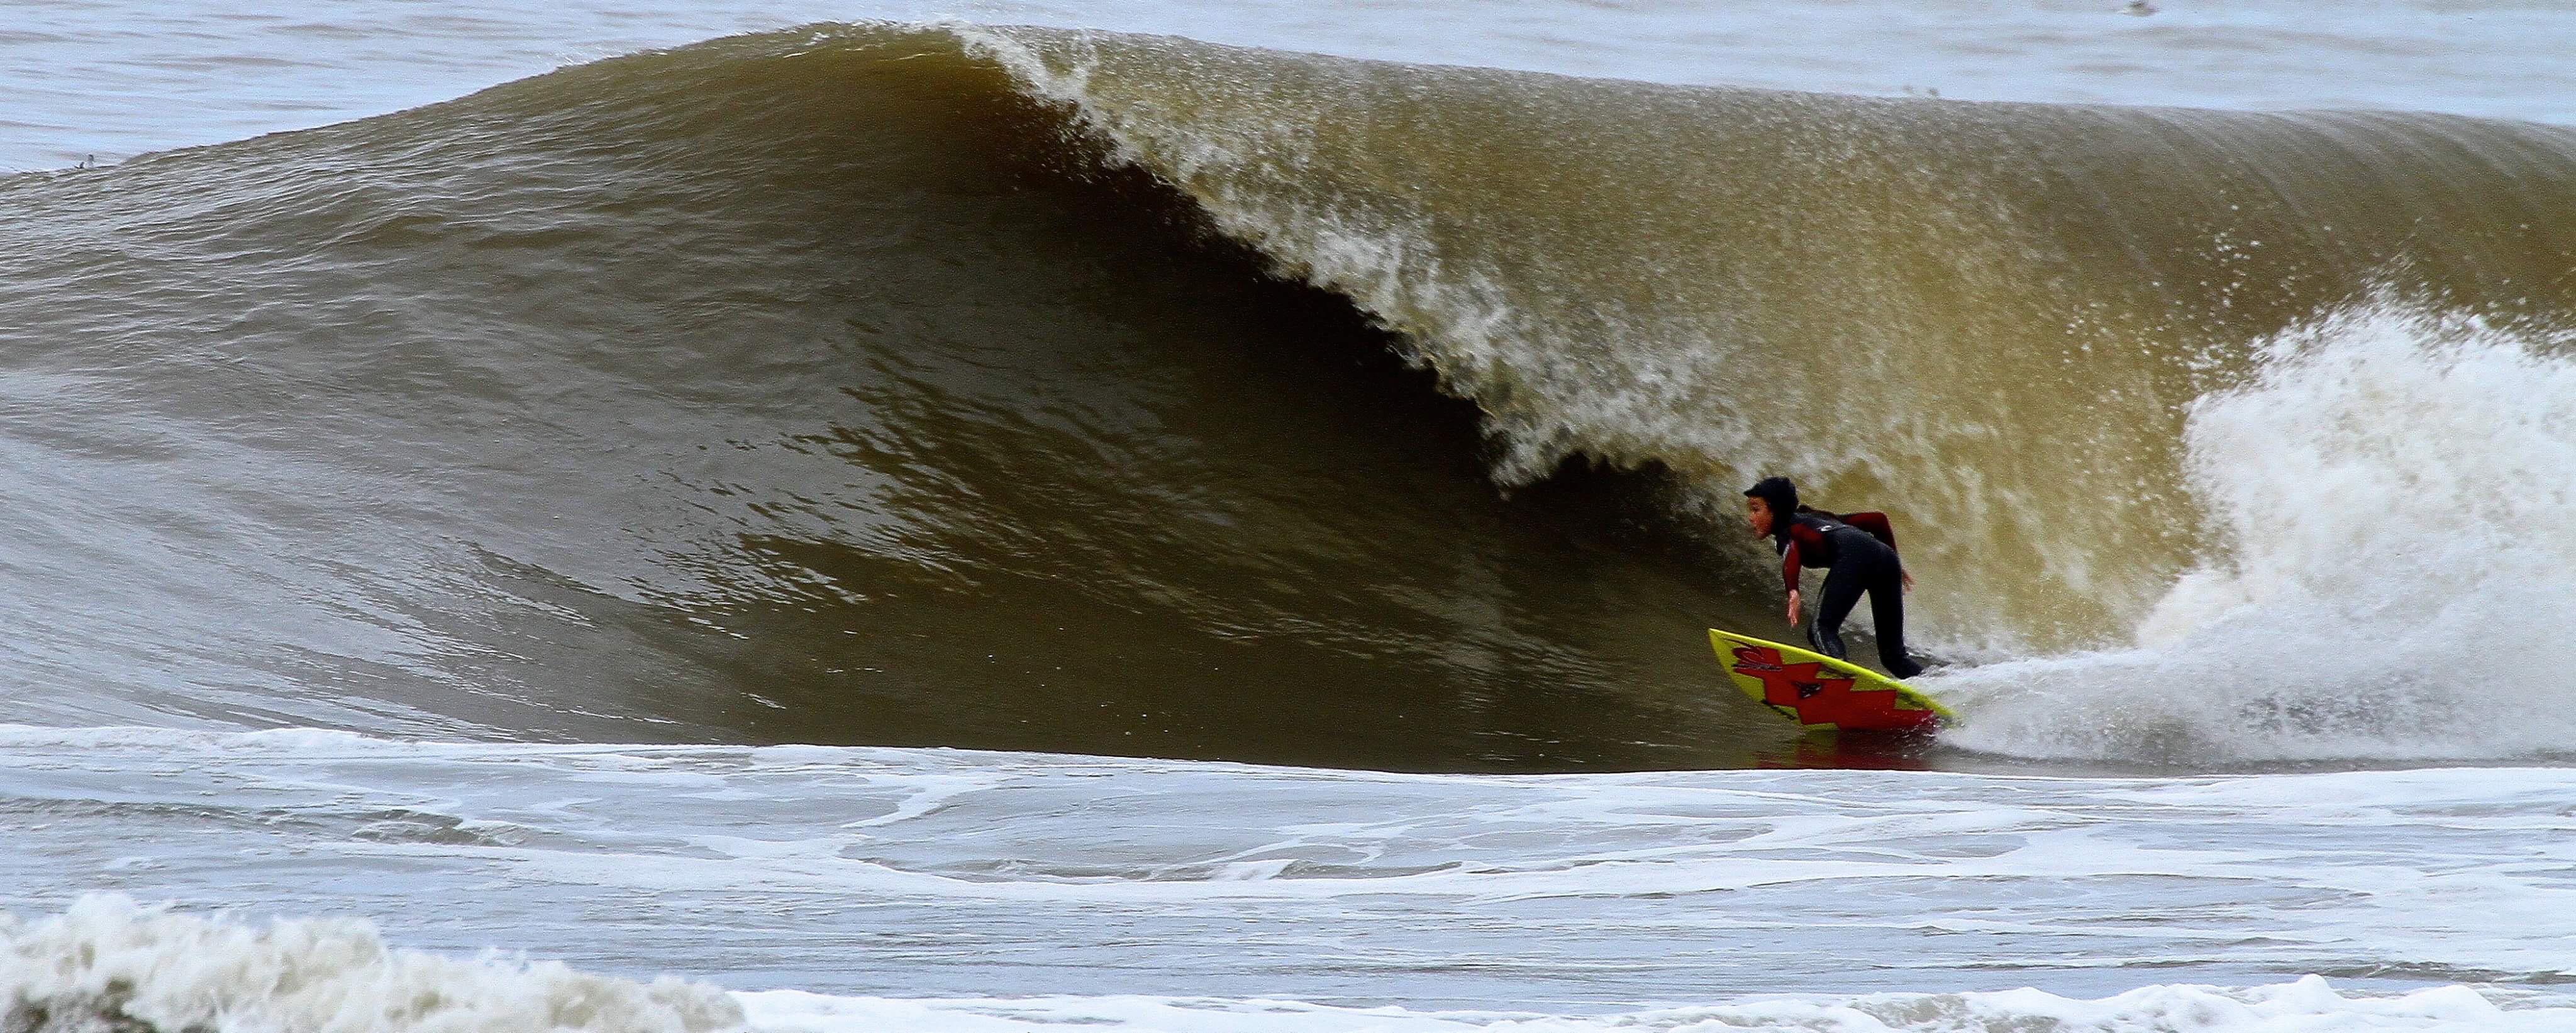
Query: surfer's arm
[[1789, 575], [1874, 523]]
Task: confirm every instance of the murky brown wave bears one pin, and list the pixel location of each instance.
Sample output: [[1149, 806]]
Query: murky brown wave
[[1042, 390]]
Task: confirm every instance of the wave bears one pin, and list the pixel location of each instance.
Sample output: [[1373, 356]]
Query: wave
[[1992, 316], [1031, 389], [107, 963]]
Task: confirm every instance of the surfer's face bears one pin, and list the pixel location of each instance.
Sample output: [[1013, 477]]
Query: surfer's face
[[1758, 514]]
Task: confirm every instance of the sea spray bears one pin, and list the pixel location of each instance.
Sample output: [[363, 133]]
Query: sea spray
[[2386, 567]]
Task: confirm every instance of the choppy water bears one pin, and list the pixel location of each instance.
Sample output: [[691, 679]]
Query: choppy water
[[930, 889], [584, 516]]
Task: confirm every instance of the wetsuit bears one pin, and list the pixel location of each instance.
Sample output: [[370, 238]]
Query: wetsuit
[[1861, 550]]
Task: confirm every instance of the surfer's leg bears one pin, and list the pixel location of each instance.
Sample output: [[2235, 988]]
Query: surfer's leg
[[1843, 584], [1887, 610]]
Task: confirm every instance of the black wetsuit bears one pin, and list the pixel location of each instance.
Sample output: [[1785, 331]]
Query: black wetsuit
[[1861, 550]]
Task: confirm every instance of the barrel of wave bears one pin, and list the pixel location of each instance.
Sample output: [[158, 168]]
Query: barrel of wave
[[1987, 319]]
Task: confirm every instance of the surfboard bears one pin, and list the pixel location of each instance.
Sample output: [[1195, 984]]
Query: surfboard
[[1821, 692]]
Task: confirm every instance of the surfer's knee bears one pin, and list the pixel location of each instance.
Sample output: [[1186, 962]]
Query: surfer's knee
[[1826, 640]]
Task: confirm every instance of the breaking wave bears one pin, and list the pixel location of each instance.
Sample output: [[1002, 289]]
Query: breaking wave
[[2381, 574], [1029, 389], [107, 963]]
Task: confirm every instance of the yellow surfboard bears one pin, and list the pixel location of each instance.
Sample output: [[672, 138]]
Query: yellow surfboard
[[1821, 692]]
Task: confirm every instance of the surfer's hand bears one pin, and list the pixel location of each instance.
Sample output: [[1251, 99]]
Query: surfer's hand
[[1793, 607], [1908, 575]]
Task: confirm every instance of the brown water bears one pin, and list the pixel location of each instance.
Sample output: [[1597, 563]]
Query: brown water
[[1110, 394]]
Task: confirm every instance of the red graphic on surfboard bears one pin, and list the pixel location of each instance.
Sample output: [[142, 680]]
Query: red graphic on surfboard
[[1821, 696]]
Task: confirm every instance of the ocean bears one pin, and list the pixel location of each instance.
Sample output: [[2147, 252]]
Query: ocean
[[1157, 516]]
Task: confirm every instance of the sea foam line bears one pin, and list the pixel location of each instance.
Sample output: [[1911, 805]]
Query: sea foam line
[[2307, 1005], [108, 963]]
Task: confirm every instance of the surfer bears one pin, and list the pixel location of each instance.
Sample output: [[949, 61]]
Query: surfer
[[1861, 550]]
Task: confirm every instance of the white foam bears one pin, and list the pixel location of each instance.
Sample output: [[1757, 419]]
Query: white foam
[[939, 875], [2308, 1005], [107, 961], [2388, 571], [1159, 876]]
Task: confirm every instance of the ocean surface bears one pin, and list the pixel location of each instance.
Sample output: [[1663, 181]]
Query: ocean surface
[[813, 516]]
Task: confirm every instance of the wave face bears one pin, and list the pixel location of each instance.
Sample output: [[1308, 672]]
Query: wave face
[[1030, 389], [1990, 315]]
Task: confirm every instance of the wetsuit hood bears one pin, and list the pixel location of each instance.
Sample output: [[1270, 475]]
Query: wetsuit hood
[[1782, 497]]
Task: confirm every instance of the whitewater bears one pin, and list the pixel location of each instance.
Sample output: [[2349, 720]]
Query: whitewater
[[1161, 516], [907, 889]]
